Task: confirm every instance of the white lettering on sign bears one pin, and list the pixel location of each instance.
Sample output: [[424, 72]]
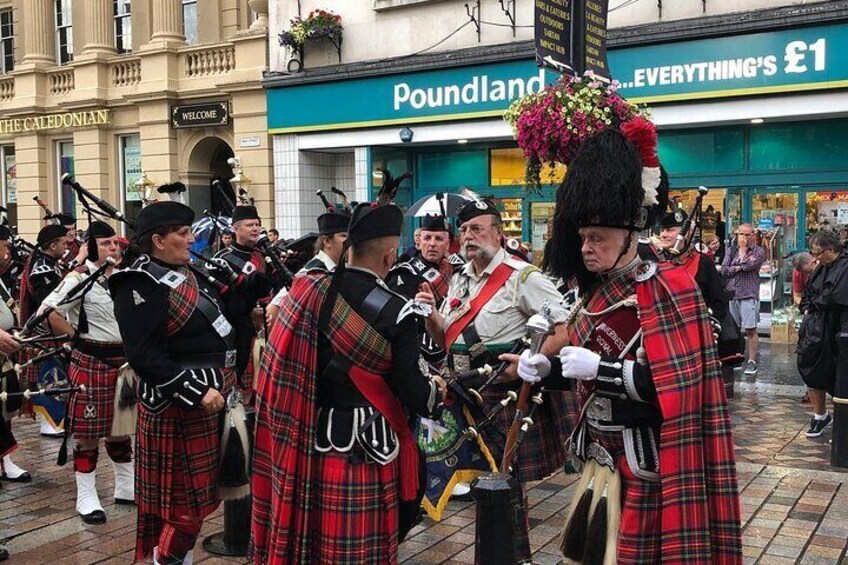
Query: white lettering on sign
[[479, 89], [246, 142], [799, 57]]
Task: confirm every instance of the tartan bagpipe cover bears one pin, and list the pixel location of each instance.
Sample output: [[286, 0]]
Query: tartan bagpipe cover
[[451, 458]]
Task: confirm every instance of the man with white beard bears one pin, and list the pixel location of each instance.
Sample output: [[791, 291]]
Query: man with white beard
[[483, 316]]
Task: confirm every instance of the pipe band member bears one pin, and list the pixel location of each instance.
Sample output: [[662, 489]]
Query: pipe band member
[[336, 468], [653, 437], [107, 407], [179, 341]]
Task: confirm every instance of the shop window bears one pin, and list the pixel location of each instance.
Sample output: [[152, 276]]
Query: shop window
[[65, 164], [820, 145], [7, 41], [129, 160], [9, 180], [510, 209], [704, 151], [123, 26], [452, 170], [190, 20], [827, 209], [506, 168], [64, 32], [542, 218], [777, 211]]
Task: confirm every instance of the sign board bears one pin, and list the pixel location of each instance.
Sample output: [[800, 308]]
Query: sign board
[[200, 115], [65, 120], [552, 20], [248, 142], [842, 214], [593, 37], [788, 60]]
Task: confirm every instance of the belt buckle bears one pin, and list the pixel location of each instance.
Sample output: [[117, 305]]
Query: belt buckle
[[461, 362], [600, 409], [477, 350], [230, 358]]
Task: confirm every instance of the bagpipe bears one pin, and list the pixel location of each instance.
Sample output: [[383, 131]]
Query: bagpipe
[[691, 227], [280, 274]]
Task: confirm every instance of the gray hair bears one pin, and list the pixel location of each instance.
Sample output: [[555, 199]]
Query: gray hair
[[801, 260], [827, 240]]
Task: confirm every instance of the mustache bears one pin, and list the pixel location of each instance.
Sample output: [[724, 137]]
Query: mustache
[[483, 251]]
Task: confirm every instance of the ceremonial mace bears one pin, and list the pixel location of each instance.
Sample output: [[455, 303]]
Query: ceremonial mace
[[496, 494]]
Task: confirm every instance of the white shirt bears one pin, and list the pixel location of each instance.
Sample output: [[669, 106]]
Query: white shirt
[[99, 308], [504, 316], [323, 257]]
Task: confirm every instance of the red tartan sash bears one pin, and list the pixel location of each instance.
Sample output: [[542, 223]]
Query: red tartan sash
[[495, 281], [182, 301], [375, 390]]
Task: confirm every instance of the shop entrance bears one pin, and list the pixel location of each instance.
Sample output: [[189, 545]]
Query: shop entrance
[[207, 163]]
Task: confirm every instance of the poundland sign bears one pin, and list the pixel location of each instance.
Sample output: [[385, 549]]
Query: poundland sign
[[803, 59]]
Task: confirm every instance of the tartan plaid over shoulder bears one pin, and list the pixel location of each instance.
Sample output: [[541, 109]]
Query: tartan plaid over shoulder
[[286, 396], [182, 301], [700, 501]]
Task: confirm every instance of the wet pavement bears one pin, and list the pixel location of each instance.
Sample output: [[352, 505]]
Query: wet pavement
[[795, 505]]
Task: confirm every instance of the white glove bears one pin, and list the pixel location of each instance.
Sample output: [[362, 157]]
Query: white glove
[[533, 368], [579, 363]]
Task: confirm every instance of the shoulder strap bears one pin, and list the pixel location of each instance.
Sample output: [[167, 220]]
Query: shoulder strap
[[495, 281]]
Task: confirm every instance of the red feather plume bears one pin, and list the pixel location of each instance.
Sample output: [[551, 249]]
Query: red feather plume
[[643, 134]]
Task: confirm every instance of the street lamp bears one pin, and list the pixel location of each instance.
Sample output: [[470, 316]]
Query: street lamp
[[144, 186], [240, 181]]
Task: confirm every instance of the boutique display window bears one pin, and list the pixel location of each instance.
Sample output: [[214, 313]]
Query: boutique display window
[[827, 209]]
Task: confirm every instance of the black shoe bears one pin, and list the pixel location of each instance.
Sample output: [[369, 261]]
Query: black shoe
[[4, 554], [22, 478], [94, 518], [818, 426], [124, 501]]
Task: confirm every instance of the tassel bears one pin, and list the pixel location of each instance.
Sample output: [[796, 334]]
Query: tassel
[[570, 542], [63, 452], [233, 477], [614, 522], [126, 398], [597, 534], [124, 407]]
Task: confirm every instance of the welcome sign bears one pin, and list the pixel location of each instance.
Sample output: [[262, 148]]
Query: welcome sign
[[812, 58]]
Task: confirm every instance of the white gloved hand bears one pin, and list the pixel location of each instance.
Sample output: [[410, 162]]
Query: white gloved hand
[[533, 368], [579, 363]]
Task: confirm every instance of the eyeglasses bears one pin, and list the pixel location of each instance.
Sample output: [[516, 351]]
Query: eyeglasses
[[476, 229], [816, 255]]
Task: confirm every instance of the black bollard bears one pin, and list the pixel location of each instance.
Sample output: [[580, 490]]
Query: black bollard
[[727, 375], [234, 540], [839, 443], [496, 516]]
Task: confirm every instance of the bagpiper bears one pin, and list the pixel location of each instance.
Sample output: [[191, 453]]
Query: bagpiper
[[484, 315], [653, 438], [106, 409], [8, 444], [40, 277], [179, 342], [336, 470]]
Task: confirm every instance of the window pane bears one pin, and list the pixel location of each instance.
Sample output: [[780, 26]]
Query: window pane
[[65, 150], [508, 167], [190, 21]]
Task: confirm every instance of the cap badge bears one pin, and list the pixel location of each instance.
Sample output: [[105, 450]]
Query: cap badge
[[480, 205]]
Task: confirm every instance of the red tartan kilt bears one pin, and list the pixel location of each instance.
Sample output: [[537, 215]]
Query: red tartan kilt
[[177, 453], [99, 380], [542, 452], [354, 517]]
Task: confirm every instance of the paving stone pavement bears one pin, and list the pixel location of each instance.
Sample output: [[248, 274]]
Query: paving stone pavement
[[794, 505]]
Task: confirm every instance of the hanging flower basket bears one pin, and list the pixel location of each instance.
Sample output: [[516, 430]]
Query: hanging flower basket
[[552, 124], [319, 24]]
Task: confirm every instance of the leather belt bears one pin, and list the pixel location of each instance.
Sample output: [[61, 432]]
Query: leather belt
[[218, 360], [101, 350]]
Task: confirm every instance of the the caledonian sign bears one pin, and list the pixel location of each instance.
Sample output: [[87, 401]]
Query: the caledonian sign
[[55, 121], [200, 115]]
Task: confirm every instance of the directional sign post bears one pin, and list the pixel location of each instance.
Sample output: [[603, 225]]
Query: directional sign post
[[571, 36]]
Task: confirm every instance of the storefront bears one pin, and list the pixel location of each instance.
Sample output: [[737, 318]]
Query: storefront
[[759, 118]]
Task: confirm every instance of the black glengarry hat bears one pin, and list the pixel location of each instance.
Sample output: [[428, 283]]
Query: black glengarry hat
[[50, 233], [330, 223], [477, 207], [370, 221], [674, 219], [162, 214], [245, 213], [434, 223], [100, 229]]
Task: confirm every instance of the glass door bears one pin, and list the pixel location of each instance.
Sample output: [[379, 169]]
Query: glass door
[[65, 164]]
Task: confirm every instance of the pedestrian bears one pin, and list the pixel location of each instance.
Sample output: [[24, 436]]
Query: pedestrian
[[488, 304], [821, 346], [180, 343], [741, 269], [803, 265], [336, 468], [653, 436], [97, 362]]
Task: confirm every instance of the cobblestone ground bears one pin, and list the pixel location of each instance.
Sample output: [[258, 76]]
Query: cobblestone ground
[[795, 506]]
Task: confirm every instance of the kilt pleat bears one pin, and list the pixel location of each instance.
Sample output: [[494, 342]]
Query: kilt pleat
[[355, 515], [542, 452], [99, 379], [177, 456]]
